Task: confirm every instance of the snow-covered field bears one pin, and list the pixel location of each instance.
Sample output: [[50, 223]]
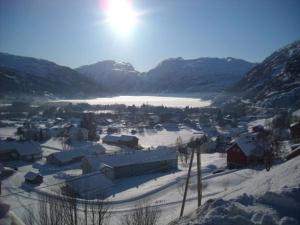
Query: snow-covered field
[[164, 137]]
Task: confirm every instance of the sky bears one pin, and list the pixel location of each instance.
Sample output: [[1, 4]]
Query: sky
[[76, 32]]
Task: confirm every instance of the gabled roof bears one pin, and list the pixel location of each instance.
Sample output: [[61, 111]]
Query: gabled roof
[[127, 138], [118, 138], [69, 155], [111, 138], [23, 148], [247, 143], [91, 185], [134, 157]]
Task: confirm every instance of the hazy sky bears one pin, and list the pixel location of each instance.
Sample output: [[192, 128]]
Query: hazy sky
[[73, 32]]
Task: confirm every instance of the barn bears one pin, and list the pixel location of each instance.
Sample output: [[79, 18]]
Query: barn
[[133, 163], [243, 152]]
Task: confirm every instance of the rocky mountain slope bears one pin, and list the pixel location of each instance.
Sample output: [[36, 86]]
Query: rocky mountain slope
[[26, 75], [171, 75], [276, 81], [115, 76]]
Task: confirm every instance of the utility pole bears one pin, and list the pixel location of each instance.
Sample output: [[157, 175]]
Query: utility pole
[[187, 183], [199, 175], [194, 144]]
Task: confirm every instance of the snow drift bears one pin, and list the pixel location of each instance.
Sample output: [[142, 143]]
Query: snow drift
[[270, 198]]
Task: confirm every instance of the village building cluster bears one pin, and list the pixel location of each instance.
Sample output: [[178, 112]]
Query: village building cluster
[[104, 142]]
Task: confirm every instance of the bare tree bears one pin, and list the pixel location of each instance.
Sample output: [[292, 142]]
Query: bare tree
[[99, 213], [143, 214], [265, 140], [65, 210], [182, 151]]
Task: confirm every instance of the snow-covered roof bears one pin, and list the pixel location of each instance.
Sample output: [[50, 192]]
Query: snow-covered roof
[[119, 138], [69, 155], [126, 138], [134, 157], [111, 138], [22, 147], [31, 175], [91, 185], [247, 143]]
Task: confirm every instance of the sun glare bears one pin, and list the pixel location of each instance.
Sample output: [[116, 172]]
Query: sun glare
[[120, 15]]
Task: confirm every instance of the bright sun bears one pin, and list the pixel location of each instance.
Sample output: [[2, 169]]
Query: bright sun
[[121, 15]]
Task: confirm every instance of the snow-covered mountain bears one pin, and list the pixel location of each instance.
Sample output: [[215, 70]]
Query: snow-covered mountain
[[196, 75], [171, 75], [33, 76], [275, 81], [115, 76]]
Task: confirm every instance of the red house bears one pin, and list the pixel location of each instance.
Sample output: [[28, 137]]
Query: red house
[[243, 151], [295, 130]]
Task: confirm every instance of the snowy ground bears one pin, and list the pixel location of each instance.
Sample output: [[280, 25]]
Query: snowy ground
[[8, 132], [263, 198], [164, 190], [159, 188], [151, 137]]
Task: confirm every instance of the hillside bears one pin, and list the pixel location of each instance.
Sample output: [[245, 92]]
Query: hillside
[[26, 75], [276, 81], [267, 198]]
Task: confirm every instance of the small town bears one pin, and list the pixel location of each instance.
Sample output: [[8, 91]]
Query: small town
[[105, 152], [147, 112]]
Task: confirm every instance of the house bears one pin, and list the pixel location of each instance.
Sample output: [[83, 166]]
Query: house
[[20, 150], [121, 140], [295, 130], [90, 186], [244, 151], [73, 155], [33, 178], [133, 163]]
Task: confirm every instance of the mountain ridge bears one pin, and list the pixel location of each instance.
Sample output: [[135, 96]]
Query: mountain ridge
[[275, 81], [168, 75]]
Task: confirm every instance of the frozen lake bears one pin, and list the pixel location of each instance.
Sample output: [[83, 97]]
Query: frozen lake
[[150, 100]]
